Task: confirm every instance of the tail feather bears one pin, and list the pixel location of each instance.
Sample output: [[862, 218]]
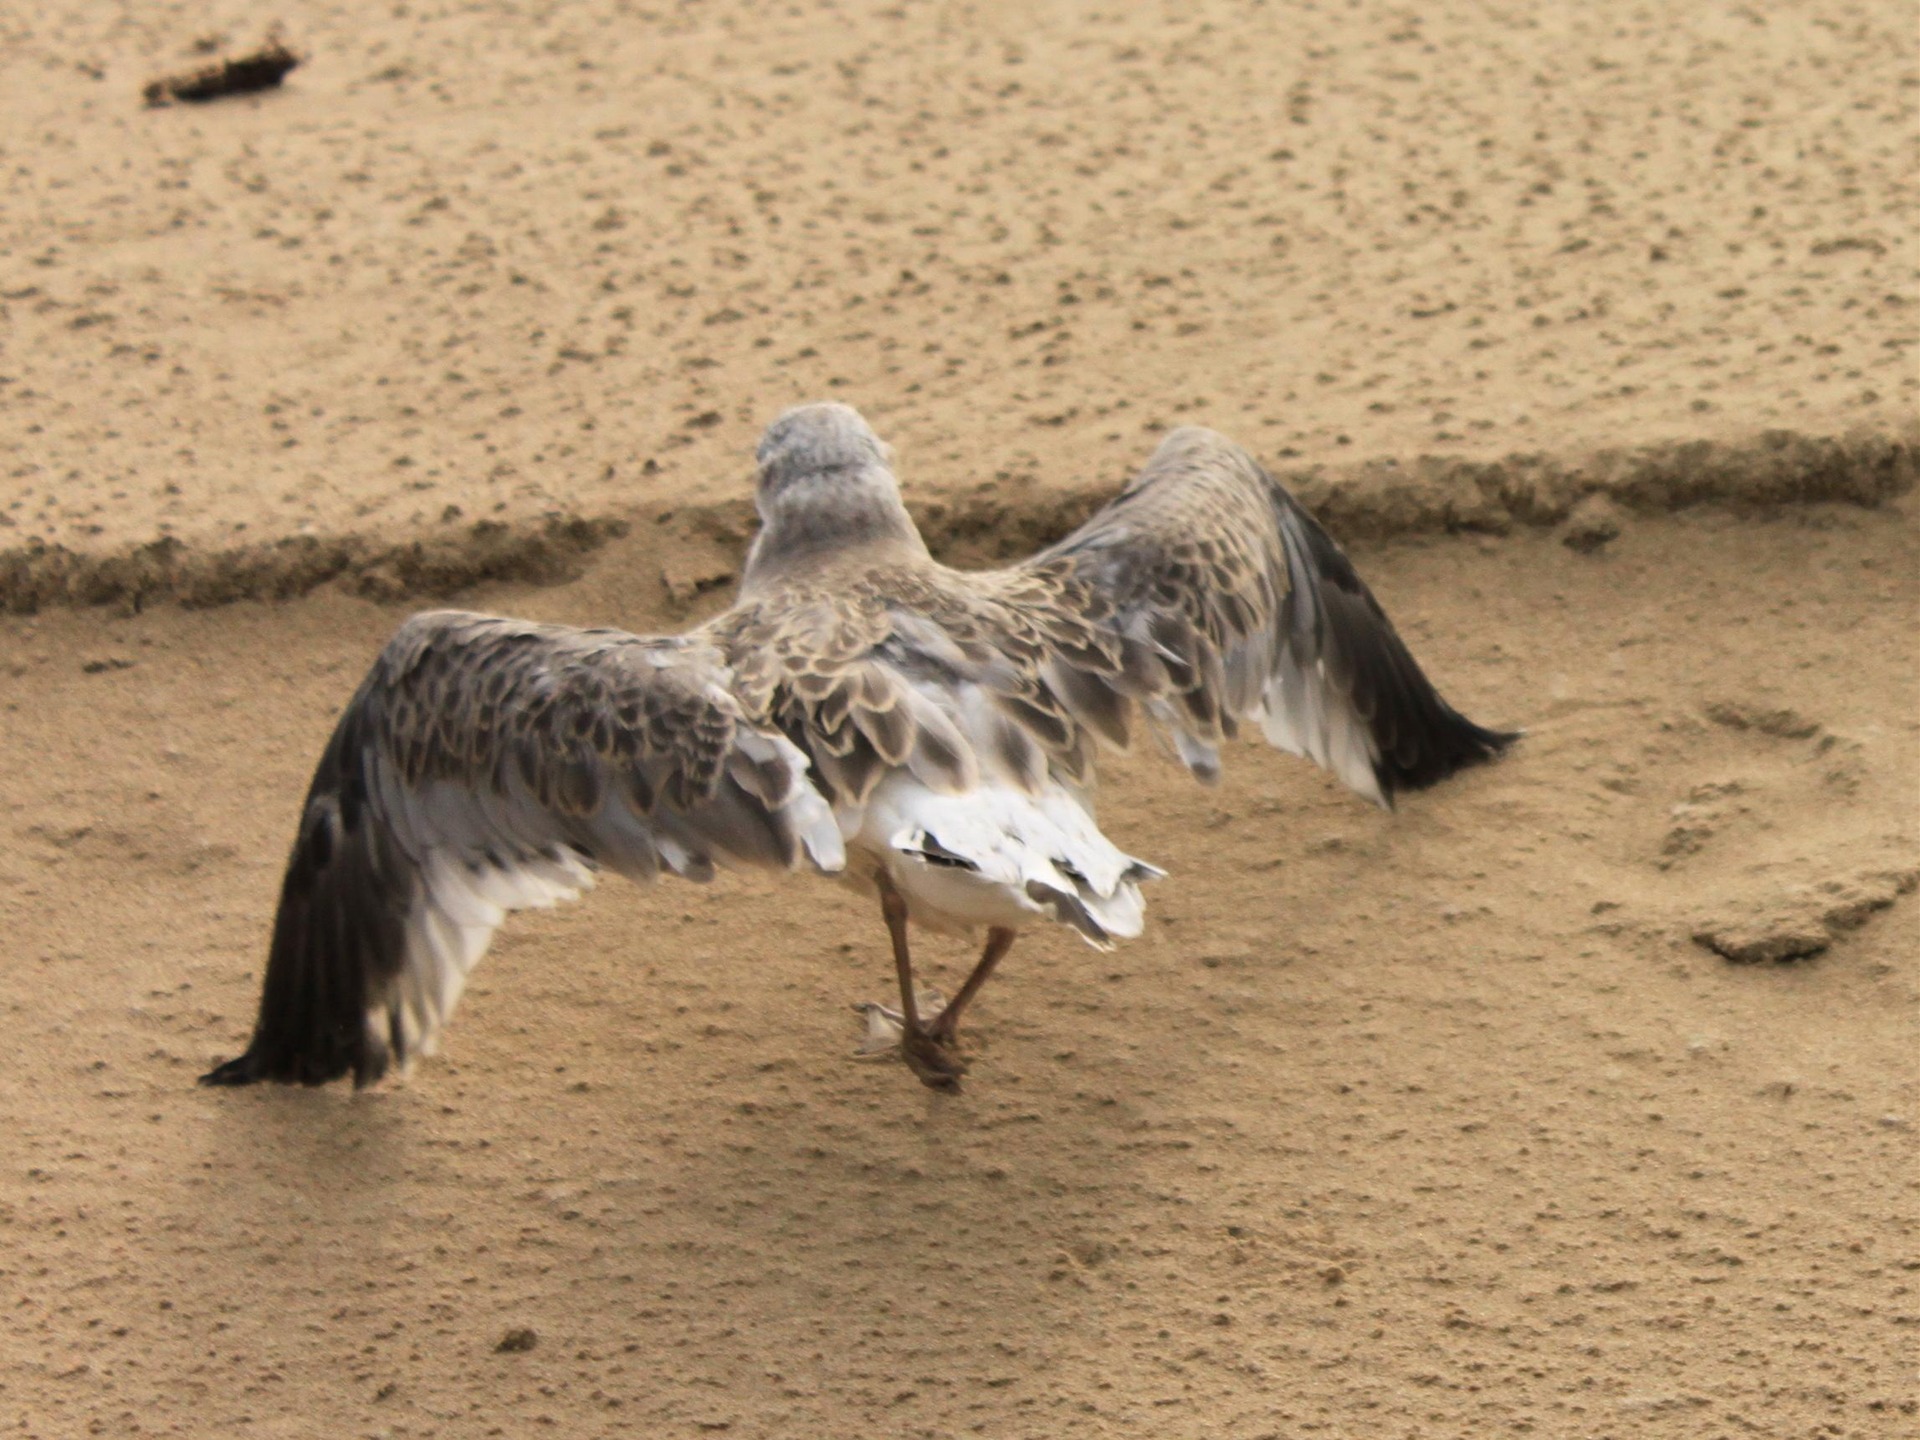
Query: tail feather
[[999, 855]]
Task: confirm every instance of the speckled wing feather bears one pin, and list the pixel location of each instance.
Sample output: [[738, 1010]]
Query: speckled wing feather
[[805, 659], [1229, 604], [489, 765], [912, 666]]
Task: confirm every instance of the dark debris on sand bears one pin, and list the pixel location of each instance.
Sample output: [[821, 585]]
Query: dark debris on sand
[[263, 69]]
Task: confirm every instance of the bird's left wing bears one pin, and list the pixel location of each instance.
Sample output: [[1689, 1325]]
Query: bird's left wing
[[489, 765]]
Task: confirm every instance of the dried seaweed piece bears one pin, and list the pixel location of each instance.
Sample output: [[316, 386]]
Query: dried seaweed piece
[[264, 69]]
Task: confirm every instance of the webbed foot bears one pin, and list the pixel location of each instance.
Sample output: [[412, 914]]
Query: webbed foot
[[930, 1052]]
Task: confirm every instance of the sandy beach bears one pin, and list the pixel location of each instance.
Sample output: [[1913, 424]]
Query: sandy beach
[[1591, 333]]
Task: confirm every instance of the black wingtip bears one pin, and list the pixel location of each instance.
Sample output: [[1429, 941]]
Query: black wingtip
[[1419, 737], [338, 938], [300, 1064], [240, 1070], [1442, 751]]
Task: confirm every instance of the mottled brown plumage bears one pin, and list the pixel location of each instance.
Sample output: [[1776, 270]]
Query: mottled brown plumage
[[941, 725], [488, 765]]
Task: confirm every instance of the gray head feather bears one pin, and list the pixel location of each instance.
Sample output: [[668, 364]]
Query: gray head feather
[[813, 439], [826, 485]]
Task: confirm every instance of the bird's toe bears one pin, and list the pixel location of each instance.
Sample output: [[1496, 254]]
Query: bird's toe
[[930, 1053], [938, 1064], [883, 1026]]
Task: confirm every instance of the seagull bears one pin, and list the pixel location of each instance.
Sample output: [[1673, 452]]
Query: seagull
[[927, 735]]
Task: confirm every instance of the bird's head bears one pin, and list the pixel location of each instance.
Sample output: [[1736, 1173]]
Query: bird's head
[[815, 443], [825, 485]]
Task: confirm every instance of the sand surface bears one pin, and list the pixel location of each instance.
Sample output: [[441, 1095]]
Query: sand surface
[[1446, 1123], [1434, 1123], [486, 263]]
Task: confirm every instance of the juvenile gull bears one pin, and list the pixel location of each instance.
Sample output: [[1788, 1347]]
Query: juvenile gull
[[929, 734]]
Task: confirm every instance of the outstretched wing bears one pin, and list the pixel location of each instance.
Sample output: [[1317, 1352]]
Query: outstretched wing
[[490, 765], [1224, 601]]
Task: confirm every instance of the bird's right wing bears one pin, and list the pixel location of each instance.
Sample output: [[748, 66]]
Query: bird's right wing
[[489, 765], [1206, 595]]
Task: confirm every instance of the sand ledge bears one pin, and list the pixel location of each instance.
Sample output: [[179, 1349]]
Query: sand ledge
[[1372, 499]]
